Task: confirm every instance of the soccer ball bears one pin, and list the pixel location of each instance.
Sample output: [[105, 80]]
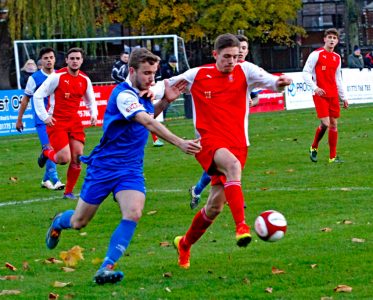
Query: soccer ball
[[270, 226]]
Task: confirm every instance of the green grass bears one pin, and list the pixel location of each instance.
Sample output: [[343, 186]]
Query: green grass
[[278, 175]]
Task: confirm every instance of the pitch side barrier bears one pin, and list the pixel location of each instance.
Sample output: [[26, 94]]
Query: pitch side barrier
[[359, 86]]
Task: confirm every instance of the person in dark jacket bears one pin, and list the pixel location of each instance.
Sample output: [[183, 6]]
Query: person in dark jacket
[[120, 68], [355, 59]]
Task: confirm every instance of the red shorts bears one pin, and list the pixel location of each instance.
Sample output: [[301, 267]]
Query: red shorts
[[327, 107], [60, 134], [206, 160]]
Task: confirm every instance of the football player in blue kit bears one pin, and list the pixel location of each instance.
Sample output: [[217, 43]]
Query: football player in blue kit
[[47, 59], [116, 164]]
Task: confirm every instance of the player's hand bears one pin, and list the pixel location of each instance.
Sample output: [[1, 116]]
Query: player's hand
[[191, 146], [148, 94], [50, 121], [320, 92], [345, 104], [19, 126], [93, 120], [171, 93], [283, 81]]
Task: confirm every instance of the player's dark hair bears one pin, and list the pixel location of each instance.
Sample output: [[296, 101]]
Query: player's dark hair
[[226, 40], [332, 31], [75, 49], [142, 55], [242, 38], [46, 50]]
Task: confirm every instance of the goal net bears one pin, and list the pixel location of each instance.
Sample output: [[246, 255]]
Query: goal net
[[102, 52]]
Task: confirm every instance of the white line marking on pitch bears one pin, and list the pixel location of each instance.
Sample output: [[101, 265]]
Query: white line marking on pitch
[[275, 189]]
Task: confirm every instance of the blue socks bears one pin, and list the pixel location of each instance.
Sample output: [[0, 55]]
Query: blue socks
[[119, 242], [202, 183], [51, 171], [63, 222]]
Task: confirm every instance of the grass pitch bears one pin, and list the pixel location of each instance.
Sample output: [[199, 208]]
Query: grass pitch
[[279, 175]]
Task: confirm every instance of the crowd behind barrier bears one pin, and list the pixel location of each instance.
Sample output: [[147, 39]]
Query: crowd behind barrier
[[359, 87]]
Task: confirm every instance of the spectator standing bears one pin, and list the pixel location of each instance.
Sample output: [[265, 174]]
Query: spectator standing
[[368, 60], [355, 59], [119, 71], [27, 70]]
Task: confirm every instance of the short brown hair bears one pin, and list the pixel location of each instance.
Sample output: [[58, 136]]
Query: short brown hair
[[226, 40], [142, 55], [75, 49], [332, 31]]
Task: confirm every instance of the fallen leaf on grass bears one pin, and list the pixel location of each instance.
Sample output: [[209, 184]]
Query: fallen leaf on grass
[[167, 289], [347, 222], [346, 189], [290, 170], [277, 271], [269, 172], [164, 244], [326, 298], [67, 269], [53, 260], [10, 266], [356, 240], [72, 256], [246, 280], [13, 179], [53, 296], [152, 212], [167, 274], [326, 229], [97, 261], [269, 290], [11, 277], [313, 266], [10, 292], [83, 233], [59, 284], [25, 266], [70, 296], [264, 188], [341, 288]]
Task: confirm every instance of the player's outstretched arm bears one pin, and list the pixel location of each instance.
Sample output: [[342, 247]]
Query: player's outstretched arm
[[187, 146]]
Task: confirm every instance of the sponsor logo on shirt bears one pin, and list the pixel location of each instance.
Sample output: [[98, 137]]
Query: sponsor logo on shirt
[[230, 78], [67, 81], [208, 94], [133, 106], [323, 68], [67, 95]]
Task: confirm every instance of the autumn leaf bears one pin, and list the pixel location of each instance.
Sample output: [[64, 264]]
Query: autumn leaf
[[10, 292], [270, 172], [67, 269], [269, 290], [72, 256], [97, 261], [13, 179], [167, 289], [347, 222], [264, 188], [326, 229], [59, 284], [246, 280], [152, 212], [346, 189], [10, 266], [167, 274], [53, 260], [277, 271], [290, 170], [356, 240], [341, 288], [83, 233], [313, 266], [25, 266], [11, 277], [53, 296], [164, 244]]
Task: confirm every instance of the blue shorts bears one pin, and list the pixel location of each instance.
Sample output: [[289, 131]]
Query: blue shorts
[[42, 133], [100, 182]]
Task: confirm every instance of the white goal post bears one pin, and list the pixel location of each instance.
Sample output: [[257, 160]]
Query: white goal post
[[101, 52]]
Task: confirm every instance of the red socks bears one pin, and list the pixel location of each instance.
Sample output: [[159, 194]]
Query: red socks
[[73, 173], [333, 138], [154, 137], [235, 199], [50, 153], [320, 131], [198, 227]]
